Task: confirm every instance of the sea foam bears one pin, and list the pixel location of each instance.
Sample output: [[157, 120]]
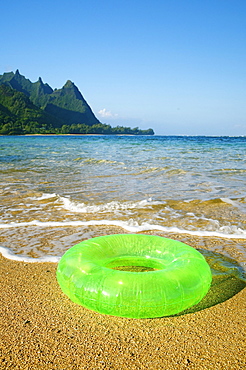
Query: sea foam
[[7, 253], [112, 206], [229, 232]]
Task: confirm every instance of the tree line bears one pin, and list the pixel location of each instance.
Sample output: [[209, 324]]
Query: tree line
[[19, 116]]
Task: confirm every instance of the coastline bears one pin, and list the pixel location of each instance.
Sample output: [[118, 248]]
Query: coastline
[[134, 135], [42, 329]]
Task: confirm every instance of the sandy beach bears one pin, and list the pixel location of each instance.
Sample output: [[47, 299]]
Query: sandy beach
[[42, 329]]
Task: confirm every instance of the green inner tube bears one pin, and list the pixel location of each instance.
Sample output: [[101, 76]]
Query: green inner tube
[[99, 274]]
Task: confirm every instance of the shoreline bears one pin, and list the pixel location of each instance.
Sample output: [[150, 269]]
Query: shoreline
[[166, 135], [81, 135], [42, 329]]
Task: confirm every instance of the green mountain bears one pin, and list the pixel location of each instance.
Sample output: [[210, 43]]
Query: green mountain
[[35, 108], [66, 103], [18, 115]]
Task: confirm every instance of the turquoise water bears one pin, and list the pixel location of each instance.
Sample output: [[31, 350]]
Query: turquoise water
[[58, 190]]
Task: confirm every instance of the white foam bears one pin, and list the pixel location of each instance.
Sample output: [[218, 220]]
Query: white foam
[[229, 232], [229, 201], [45, 196], [234, 203], [7, 253], [113, 206]]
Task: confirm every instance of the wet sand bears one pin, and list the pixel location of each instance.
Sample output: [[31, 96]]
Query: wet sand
[[40, 328]]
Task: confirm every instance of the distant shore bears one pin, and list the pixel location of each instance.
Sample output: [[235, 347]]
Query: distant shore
[[76, 135], [82, 135]]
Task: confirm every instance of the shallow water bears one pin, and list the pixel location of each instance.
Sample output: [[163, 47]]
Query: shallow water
[[59, 190]]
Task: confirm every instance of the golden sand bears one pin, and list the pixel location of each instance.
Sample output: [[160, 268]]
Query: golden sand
[[40, 328]]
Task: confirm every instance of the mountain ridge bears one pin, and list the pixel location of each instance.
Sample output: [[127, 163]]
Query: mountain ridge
[[42, 95], [34, 107]]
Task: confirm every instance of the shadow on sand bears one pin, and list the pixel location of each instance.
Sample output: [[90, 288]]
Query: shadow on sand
[[228, 279]]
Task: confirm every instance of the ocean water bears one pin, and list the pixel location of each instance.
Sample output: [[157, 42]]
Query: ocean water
[[59, 190]]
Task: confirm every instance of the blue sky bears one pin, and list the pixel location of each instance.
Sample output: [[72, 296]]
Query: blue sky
[[176, 66]]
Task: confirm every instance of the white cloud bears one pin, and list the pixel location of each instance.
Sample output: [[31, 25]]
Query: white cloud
[[106, 113]]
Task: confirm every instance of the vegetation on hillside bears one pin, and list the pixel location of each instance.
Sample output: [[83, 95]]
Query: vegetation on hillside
[[35, 108], [19, 116]]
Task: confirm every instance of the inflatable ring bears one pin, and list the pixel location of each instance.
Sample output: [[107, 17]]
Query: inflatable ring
[[179, 277]]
